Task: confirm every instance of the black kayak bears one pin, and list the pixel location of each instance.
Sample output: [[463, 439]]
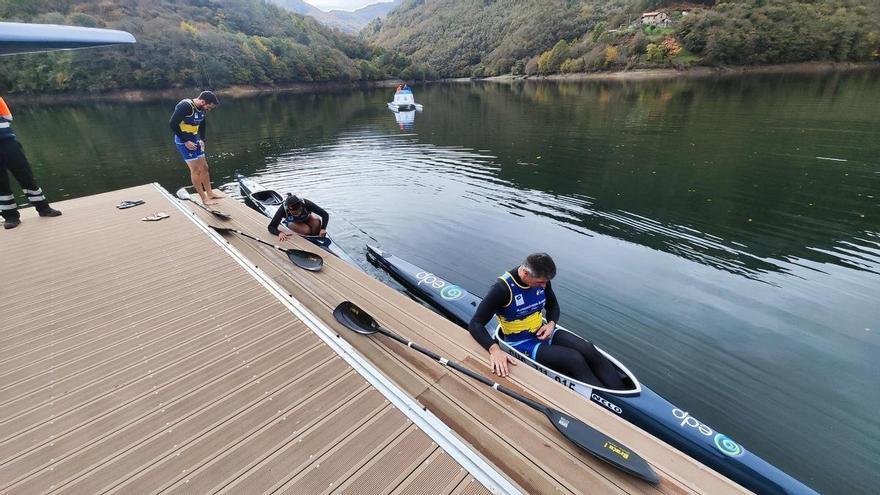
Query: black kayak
[[267, 202], [637, 403]]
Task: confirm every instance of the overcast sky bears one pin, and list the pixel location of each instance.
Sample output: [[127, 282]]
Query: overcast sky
[[328, 5]]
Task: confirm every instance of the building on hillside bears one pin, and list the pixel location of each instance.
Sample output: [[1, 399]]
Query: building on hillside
[[659, 19]]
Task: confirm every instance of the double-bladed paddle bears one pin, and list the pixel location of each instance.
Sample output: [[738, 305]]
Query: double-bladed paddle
[[182, 194], [579, 433], [301, 258]]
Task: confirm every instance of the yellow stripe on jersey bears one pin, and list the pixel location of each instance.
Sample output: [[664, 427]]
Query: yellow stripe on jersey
[[531, 323], [190, 128]]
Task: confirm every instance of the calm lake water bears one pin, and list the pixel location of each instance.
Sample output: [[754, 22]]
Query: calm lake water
[[721, 237]]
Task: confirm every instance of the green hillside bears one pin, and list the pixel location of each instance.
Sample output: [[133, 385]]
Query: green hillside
[[206, 43], [492, 37]]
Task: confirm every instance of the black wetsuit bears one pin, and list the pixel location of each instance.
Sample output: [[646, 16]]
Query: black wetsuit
[[567, 354], [309, 207]]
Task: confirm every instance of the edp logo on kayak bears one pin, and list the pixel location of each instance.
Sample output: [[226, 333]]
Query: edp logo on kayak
[[448, 291], [687, 419], [722, 442]]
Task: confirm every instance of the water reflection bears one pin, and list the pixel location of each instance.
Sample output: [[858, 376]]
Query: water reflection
[[406, 119]]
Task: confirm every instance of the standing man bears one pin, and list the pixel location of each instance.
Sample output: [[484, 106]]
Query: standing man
[[13, 160], [519, 297], [188, 125]]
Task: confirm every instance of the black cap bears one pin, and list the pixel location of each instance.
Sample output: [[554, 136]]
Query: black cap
[[292, 200], [209, 97]]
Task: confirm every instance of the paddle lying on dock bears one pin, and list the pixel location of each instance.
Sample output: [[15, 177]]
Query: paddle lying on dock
[[579, 433], [301, 258], [182, 194]]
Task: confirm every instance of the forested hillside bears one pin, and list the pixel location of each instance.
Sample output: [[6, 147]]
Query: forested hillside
[[492, 37], [216, 43], [205, 43]]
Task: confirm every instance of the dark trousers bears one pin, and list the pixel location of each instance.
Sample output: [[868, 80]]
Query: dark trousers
[[580, 360], [13, 160]]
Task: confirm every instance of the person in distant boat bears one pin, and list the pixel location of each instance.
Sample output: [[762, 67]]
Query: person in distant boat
[[189, 127], [299, 216], [14, 161], [518, 298]]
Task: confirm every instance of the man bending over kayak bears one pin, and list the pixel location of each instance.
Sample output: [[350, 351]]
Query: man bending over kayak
[[299, 216], [518, 298]]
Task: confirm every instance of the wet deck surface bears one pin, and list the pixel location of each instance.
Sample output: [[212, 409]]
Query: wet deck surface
[[142, 357]]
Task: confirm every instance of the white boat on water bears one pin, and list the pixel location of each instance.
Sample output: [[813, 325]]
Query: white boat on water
[[404, 100]]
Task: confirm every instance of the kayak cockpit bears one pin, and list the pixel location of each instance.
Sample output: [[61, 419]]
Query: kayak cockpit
[[631, 385], [267, 197]]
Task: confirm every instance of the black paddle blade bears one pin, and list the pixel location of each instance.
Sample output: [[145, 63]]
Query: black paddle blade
[[218, 213], [355, 319], [221, 229], [305, 260], [602, 446]]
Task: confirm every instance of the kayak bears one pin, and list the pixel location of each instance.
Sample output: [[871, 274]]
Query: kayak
[[636, 403], [267, 202], [19, 37]]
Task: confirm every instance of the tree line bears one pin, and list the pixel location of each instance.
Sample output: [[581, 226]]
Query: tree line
[[217, 43], [205, 43], [489, 37]]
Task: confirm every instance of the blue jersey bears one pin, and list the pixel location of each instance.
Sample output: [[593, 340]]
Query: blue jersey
[[523, 310], [189, 126]]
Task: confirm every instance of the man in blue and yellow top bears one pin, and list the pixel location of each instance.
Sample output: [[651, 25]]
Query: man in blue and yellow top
[[519, 298], [14, 161], [189, 128]]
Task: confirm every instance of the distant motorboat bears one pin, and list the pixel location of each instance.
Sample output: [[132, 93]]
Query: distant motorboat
[[404, 100]]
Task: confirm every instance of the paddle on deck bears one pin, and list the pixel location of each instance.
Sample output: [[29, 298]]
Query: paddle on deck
[[182, 194], [579, 433], [301, 258]]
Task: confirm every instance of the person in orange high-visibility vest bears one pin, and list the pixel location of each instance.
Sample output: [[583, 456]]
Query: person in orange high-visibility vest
[[14, 161]]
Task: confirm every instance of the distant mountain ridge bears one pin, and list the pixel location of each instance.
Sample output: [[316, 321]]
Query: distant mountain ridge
[[349, 22]]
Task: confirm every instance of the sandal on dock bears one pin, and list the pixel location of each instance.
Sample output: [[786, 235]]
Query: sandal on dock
[[155, 217], [129, 204]]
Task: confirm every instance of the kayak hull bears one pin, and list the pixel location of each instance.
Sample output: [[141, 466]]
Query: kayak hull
[[639, 405], [267, 202]]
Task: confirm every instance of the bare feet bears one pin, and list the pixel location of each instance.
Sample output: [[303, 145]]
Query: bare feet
[[208, 202], [215, 194]]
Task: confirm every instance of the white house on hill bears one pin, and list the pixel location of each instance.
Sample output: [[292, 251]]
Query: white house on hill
[[660, 19]]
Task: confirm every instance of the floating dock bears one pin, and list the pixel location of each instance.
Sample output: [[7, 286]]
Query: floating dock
[[163, 357]]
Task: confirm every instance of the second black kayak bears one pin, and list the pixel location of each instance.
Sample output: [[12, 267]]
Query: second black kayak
[[637, 403], [267, 202]]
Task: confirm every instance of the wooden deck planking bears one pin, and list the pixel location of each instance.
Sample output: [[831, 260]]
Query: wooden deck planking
[[141, 358]]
